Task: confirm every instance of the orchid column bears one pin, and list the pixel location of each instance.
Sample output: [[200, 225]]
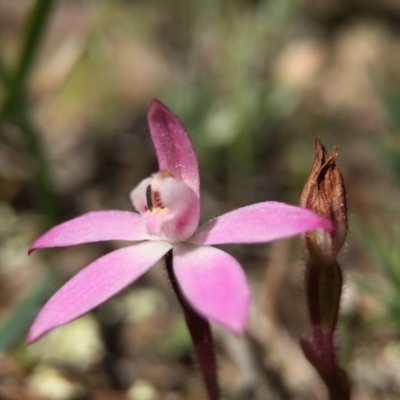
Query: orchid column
[[209, 283]]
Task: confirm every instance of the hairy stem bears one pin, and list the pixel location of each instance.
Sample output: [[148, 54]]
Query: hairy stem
[[323, 282], [201, 335]]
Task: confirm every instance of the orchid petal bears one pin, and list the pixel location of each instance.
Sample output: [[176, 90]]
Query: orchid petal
[[94, 227], [214, 284], [174, 148], [95, 284], [261, 222]]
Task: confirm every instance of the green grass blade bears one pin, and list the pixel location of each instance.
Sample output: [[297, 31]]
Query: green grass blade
[[18, 319]]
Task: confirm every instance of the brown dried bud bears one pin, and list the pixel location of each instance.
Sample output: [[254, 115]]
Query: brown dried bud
[[324, 193]]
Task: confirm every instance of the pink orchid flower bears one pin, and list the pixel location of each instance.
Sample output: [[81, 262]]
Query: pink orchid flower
[[211, 280]]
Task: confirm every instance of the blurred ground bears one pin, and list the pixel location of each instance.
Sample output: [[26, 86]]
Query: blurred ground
[[254, 82]]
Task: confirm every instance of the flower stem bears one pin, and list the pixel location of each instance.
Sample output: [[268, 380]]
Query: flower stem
[[323, 289], [201, 335]]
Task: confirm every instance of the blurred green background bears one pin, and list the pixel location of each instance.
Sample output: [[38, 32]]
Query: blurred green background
[[254, 81]]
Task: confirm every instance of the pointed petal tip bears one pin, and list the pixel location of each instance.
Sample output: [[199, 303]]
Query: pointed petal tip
[[322, 223], [40, 326], [30, 339], [33, 334], [156, 106], [39, 329], [160, 114], [237, 328], [155, 102], [315, 222], [34, 246], [37, 244]]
